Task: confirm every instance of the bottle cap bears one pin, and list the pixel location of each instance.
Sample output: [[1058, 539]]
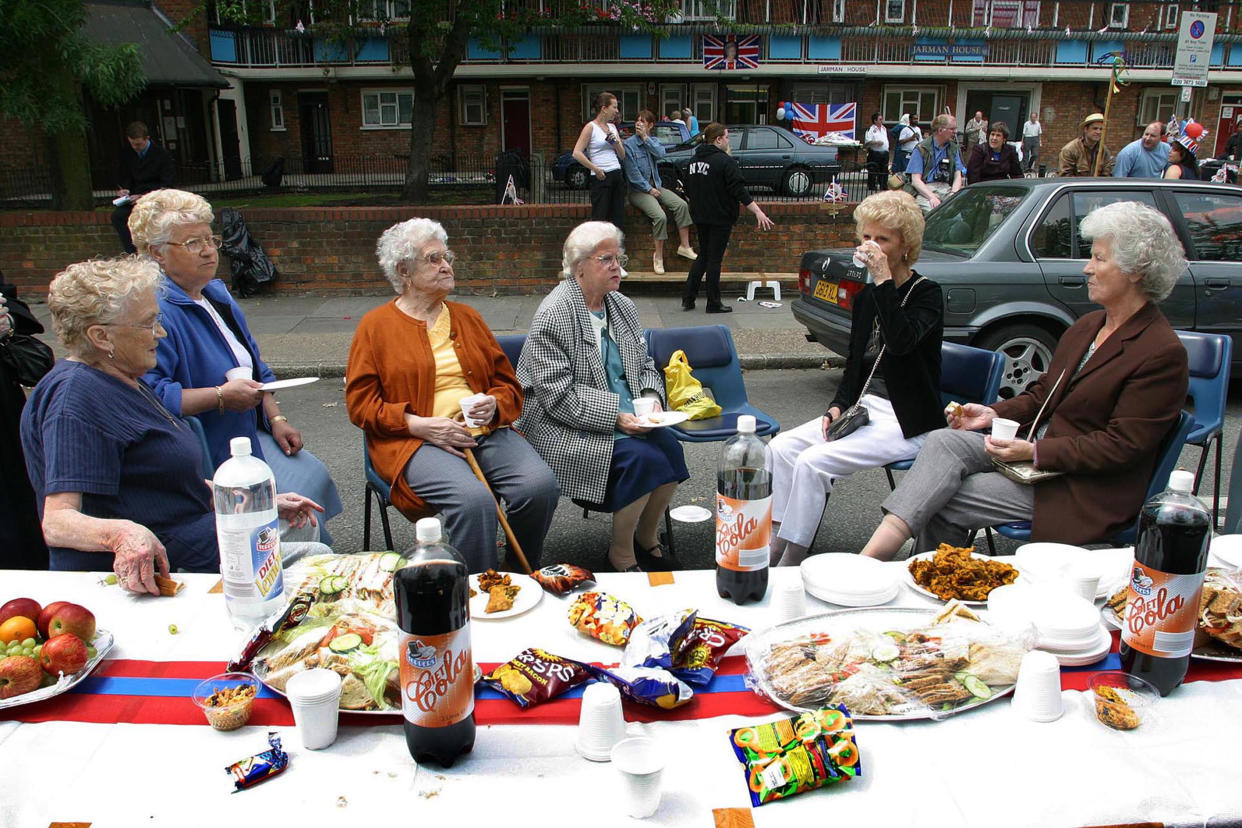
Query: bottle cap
[[1181, 481], [427, 530], [240, 447], [746, 424]]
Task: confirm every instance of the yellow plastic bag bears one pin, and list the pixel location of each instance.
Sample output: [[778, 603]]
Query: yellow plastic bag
[[685, 393]]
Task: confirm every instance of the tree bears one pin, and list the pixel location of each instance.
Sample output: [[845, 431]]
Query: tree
[[43, 72]]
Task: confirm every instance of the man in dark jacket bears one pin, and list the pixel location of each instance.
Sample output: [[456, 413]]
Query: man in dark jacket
[[145, 166], [715, 187]]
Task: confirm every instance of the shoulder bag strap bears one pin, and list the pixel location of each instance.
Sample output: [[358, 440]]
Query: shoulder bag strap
[[880, 355]]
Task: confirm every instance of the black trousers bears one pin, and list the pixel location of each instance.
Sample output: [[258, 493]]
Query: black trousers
[[877, 171], [713, 240], [608, 198], [120, 223]]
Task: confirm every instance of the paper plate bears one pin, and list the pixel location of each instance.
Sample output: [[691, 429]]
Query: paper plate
[[526, 599], [690, 514], [846, 600], [277, 385], [660, 419], [846, 576], [1228, 550], [1103, 643]]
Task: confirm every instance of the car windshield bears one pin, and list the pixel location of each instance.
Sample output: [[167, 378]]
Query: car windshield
[[964, 222]]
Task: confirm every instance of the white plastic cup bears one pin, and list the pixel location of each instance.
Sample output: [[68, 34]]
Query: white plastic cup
[[640, 764], [315, 696], [600, 723], [1004, 430], [644, 407], [788, 601], [240, 372], [1037, 695], [1085, 585], [468, 403]]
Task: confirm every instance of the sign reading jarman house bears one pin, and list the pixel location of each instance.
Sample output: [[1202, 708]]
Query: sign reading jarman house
[[949, 50]]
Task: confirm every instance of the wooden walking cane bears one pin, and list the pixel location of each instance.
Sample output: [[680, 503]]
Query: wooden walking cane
[[500, 513]]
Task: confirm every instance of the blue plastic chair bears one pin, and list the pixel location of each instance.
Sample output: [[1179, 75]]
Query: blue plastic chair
[[205, 460], [512, 344], [378, 488], [967, 375], [713, 358], [1209, 356], [1170, 451]]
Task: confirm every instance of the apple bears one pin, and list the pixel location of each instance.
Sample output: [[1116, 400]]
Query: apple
[[19, 674], [74, 619], [26, 607], [44, 617], [63, 654]]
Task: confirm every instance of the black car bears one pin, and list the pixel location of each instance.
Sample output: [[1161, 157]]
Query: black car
[[768, 156], [1009, 259]]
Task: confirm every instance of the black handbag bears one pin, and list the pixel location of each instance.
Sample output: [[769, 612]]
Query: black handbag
[[856, 416], [26, 358]]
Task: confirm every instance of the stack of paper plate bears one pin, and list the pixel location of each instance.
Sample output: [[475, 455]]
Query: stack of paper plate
[[850, 580], [1058, 563], [1067, 626]]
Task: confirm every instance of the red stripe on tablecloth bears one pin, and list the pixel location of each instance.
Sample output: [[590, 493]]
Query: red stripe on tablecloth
[[1198, 670]]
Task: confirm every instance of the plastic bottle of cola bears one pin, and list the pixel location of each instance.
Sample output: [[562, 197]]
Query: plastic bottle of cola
[[248, 534], [1162, 608], [432, 593], [743, 515]]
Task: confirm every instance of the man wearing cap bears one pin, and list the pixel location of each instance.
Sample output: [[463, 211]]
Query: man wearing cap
[[1078, 156], [1145, 158]]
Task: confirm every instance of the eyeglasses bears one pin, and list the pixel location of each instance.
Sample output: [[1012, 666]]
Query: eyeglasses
[[445, 256], [155, 324], [609, 259], [195, 246]]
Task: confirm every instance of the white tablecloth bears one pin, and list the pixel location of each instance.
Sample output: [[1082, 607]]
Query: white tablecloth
[[987, 767]]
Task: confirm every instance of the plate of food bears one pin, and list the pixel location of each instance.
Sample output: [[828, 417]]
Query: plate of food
[[1219, 633], [19, 671], [957, 573], [497, 595], [887, 664], [365, 577], [660, 419]]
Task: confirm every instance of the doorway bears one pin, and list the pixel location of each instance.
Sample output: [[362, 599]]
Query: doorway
[[230, 149], [315, 116], [745, 104], [1010, 107], [1230, 122], [515, 121]]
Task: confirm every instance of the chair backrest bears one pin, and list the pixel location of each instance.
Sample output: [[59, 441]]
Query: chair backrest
[[969, 375], [1233, 512], [206, 462], [1208, 356], [712, 357], [1166, 458], [512, 344]]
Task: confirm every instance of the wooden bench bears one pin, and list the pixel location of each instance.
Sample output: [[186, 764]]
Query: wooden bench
[[751, 279]]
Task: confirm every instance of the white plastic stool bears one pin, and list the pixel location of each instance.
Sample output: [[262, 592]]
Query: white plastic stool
[[750, 289]]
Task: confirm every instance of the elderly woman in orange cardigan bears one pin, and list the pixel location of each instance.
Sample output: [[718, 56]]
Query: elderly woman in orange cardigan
[[411, 363]]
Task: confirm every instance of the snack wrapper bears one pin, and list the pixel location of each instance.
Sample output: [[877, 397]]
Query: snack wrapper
[[561, 578], [535, 676], [259, 768], [647, 685], [602, 616], [653, 642], [697, 657], [798, 754]]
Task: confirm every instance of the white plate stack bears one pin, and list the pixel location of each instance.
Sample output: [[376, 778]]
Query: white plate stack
[[1060, 564], [850, 580], [1068, 626]]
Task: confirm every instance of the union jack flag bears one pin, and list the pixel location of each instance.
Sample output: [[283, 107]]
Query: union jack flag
[[813, 121], [714, 52], [835, 193]]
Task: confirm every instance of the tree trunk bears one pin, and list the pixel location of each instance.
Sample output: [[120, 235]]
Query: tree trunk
[[69, 156], [422, 130]]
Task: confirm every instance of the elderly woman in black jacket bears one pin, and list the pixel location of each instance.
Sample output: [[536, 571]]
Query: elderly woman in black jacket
[[901, 313]]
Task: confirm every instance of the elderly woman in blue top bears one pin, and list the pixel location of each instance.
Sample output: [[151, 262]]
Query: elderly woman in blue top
[[647, 192], [207, 337]]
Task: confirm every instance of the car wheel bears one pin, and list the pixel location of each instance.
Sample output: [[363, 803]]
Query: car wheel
[[576, 177], [798, 182], [1028, 353]]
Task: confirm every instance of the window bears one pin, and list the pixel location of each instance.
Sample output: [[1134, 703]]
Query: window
[[383, 10], [1053, 237], [230, 12], [472, 105], [703, 102], [1157, 105], [708, 9], [1118, 15], [278, 110], [386, 110], [921, 103], [672, 95], [1170, 16], [1215, 225], [838, 11], [766, 139], [632, 98], [894, 11], [966, 221], [1005, 14]]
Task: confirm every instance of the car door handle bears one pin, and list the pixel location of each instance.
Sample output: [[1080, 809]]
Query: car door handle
[[1216, 284], [1072, 281]]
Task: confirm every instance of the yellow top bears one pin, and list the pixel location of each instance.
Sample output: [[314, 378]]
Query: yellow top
[[450, 382]]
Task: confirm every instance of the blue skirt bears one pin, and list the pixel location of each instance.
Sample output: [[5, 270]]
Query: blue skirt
[[640, 465]]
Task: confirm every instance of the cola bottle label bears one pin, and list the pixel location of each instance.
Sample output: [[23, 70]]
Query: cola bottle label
[[743, 533], [1161, 612], [437, 678]]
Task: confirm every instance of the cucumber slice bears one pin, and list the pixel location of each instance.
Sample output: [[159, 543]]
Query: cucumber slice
[[884, 653], [332, 584], [976, 686], [345, 643], [391, 561]]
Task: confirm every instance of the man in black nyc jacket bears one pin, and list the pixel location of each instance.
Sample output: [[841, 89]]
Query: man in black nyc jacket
[[145, 166], [715, 187]]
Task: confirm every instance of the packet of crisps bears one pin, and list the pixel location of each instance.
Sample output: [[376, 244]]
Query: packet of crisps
[[535, 676], [647, 685], [561, 578], [697, 657], [602, 616], [653, 642], [798, 754]]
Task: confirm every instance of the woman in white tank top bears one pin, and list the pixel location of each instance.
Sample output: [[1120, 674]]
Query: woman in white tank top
[[600, 150]]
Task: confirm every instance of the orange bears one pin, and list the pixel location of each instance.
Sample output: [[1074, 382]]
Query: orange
[[17, 628]]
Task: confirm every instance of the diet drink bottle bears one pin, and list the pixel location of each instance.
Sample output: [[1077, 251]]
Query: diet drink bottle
[[1162, 607], [248, 534], [432, 592], [743, 515]]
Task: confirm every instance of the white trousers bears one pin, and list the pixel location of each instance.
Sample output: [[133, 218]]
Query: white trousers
[[805, 466]]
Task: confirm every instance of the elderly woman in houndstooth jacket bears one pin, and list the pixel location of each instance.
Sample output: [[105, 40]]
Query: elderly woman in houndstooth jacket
[[584, 362]]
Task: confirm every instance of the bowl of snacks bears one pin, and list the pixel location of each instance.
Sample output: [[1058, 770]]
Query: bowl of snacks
[[227, 699], [1122, 701]]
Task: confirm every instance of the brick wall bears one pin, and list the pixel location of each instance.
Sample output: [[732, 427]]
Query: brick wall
[[502, 249]]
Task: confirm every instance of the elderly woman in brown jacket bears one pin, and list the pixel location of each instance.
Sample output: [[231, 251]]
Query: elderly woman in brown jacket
[[1114, 389], [411, 362]]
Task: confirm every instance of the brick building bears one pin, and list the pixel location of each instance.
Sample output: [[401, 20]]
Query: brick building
[[328, 105]]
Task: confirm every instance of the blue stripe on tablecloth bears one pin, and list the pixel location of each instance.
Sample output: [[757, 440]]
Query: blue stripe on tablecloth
[[1112, 661]]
